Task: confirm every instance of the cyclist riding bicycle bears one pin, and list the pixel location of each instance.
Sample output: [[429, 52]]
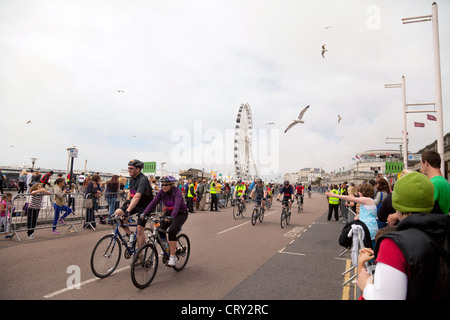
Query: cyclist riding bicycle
[[299, 193], [175, 212], [261, 193], [139, 196], [239, 192], [288, 194]]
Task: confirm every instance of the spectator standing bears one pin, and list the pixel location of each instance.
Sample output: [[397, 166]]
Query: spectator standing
[[213, 192], [190, 196], [112, 190], [81, 179], [36, 177], [22, 181], [383, 190], [201, 195], [59, 204], [93, 191], [333, 203], [37, 193], [431, 167], [367, 209], [29, 179]]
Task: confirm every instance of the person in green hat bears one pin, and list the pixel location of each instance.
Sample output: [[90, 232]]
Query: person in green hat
[[408, 259], [431, 167]]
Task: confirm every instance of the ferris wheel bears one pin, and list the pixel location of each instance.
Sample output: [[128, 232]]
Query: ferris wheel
[[244, 166]]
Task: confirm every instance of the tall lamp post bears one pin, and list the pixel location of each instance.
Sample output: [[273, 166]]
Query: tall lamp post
[[73, 153], [33, 161], [437, 76]]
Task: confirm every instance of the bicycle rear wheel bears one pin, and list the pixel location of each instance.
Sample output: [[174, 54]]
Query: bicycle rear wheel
[[283, 218], [183, 252], [105, 256], [144, 266]]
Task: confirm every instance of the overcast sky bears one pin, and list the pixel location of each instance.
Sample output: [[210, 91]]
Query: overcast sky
[[186, 66]]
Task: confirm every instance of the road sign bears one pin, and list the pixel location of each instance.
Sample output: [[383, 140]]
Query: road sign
[[73, 152], [393, 167], [414, 157], [149, 167]]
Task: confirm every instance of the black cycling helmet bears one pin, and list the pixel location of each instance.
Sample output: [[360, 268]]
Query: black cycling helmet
[[136, 163], [286, 183]]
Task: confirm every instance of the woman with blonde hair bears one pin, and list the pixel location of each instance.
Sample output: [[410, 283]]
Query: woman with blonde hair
[[367, 210], [22, 181]]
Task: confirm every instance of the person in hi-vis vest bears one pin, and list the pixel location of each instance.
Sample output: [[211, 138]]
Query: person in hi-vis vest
[[333, 204], [190, 196], [213, 192]]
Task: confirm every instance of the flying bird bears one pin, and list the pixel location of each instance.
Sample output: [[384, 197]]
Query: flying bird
[[339, 118], [29, 121], [298, 120], [270, 123], [121, 91], [327, 27], [323, 51]]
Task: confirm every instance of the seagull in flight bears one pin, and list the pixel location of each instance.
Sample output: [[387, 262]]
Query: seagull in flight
[[270, 123], [327, 27], [323, 51], [120, 91], [29, 121], [339, 118], [298, 120]]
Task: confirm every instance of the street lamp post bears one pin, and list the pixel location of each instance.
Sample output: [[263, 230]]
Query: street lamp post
[[405, 132], [73, 153], [33, 161], [162, 168], [437, 76]]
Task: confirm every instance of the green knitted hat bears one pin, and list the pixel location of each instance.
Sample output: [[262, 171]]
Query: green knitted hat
[[413, 192]]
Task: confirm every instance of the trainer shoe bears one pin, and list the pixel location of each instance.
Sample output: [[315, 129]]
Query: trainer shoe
[[31, 236], [172, 261], [55, 232]]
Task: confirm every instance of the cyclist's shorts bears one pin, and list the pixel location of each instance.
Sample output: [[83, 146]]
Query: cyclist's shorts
[[286, 199], [141, 222], [258, 200]]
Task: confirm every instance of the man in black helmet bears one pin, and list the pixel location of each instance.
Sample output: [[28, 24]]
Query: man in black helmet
[[139, 196]]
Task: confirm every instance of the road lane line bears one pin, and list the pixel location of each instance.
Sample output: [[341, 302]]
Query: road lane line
[[240, 225], [51, 295], [233, 227]]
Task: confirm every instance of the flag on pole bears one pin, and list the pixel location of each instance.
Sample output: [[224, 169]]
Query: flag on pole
[[431, 117], [419, 124]]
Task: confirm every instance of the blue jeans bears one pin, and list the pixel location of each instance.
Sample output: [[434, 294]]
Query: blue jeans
[[58, 210]]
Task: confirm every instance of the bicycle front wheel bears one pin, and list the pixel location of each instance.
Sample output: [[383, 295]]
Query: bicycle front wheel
[[283, 218], [105, 256], [144, 266], [254, 216], [183, 252], [235, 211]]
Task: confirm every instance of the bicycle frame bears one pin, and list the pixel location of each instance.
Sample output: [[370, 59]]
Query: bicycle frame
[[117, 234], [155, 237]]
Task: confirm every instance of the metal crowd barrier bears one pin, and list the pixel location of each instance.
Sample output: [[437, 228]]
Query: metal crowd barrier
[[357, 244], [85, 210]]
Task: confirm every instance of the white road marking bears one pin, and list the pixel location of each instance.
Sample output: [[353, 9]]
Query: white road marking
[[51, 295], [240, 225]]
